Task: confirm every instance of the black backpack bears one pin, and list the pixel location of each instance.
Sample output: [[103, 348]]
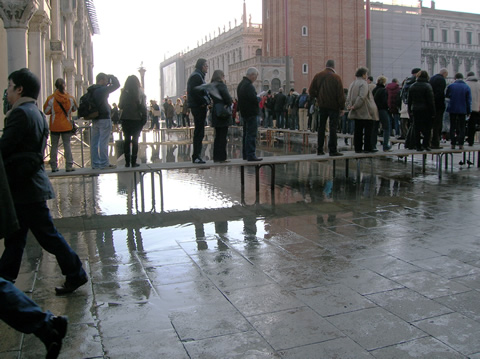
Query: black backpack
[[88, 108]]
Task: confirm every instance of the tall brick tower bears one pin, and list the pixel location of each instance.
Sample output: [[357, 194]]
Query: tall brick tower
[[312, 31]]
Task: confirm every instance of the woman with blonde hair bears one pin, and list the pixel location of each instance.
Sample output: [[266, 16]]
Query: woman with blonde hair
[[60, 106], [133, 118]]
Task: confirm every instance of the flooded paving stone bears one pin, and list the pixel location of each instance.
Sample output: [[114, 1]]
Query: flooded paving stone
[[375, 265]]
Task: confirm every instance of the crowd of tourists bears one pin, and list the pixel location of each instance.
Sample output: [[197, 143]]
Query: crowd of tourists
[[422, 110]]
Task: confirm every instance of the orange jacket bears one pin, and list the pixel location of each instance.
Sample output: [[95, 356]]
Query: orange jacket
[[58, 121]]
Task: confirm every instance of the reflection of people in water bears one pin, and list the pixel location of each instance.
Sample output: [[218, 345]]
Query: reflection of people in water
[[250, 228], [155, 152], [221, 229], [170, 153], [200, 236]]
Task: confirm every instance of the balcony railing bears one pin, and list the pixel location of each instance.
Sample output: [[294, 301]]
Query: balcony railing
[[450, 46]]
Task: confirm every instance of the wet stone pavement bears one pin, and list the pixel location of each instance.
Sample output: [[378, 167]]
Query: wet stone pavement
[[379, 266]]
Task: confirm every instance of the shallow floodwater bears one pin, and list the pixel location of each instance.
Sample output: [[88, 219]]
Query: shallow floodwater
[[332, 263]]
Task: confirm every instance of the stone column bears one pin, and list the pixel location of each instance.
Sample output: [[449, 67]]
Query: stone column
[[69, 62], [15, 15], [37, 27], [56, 44]]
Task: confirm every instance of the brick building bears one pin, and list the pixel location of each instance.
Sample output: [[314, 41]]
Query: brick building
[[310, 32]]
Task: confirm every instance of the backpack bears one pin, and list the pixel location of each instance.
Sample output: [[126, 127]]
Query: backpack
[[302, 100], [405, 89], [87, 108]]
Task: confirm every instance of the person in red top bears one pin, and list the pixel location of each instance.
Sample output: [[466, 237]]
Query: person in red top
[[393, 94], [60, 106]]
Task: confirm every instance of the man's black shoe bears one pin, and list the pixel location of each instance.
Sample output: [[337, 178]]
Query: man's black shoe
[[254, 159], [336, 154], [428, 149], [198, 161], [71, 286], [320, 153]]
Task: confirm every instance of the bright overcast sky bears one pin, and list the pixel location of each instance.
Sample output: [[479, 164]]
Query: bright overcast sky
[[152, 30]]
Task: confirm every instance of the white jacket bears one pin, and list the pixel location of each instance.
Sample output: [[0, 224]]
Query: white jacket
[[474, 85]]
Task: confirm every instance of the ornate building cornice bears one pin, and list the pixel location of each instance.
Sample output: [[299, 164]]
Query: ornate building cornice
[[39, 22], [17, 13]]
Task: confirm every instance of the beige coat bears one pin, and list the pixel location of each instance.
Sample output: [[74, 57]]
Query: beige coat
[[360, 97]]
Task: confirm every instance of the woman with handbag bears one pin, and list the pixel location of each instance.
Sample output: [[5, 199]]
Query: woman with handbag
[[60, 106], [133, 117], [221, 117]]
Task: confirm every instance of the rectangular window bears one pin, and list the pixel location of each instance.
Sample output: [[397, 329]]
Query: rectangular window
[[431, 34], [305, 68], [457, 36], [469, 38], [444, 35]]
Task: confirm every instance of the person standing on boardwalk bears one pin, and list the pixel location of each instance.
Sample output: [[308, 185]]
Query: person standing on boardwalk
[[26, 133], [327, 88], [198, 102], [249, 110], [60, 106], [220, 121], [133, 118], [438, 84], [102, 125], [459, 107]]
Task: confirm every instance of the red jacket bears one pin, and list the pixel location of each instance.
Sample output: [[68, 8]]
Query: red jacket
[[393, 90]]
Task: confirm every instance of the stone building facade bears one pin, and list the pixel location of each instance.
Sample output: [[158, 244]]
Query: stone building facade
[[50, 37], [229, 47], [450, 40]]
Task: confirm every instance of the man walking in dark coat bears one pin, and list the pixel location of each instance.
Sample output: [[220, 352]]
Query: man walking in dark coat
[[327, 88], [26, 131], [249, 110]]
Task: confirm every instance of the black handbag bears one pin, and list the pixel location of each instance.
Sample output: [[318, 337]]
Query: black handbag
[[223, 111]]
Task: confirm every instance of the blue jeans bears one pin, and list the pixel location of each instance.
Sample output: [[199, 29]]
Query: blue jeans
[[250, 127], [395, 120], [54, 138], [19, 311], [386, 125], [99, 142], [280, 119], [37, 218], [268, 118], [332, 115]]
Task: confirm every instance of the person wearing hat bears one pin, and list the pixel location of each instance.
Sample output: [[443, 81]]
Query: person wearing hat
[[198, 102]]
